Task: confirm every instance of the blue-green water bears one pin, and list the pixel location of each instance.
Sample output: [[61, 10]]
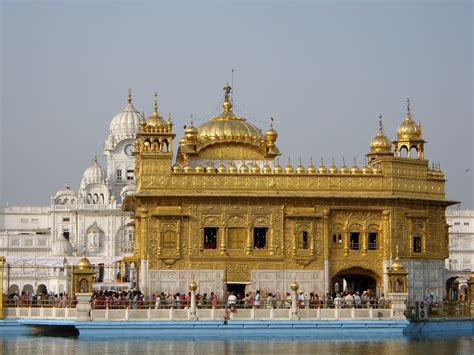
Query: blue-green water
[[374, 344]]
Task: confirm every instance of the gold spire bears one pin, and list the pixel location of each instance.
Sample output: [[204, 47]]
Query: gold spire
[[155, 105], [227, 101], [381, 125], [408, 110], [129, 95]]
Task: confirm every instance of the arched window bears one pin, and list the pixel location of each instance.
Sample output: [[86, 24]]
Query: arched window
[[413, 152], [303, 239], [164, 146], [404, 152]]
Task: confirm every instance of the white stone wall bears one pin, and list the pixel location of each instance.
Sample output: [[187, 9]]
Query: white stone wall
[[279, 281], [424, 277], [178, 281]]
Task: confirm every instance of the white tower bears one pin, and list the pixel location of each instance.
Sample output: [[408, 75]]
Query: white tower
[[118, 149]]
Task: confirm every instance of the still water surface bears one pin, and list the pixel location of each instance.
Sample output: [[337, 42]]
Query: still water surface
[[375, 344]]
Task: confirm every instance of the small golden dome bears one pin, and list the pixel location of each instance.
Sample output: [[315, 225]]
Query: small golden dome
[[376, 170], [155, 120], [333, 168], [233, 168], [271, 135], [221, 169], [255, 169], [300, 168], [322, 168], [199, 169], [344, 169], [210, 168], [311, 168], [396, 264], [183, 141], [177, 168], [244, 169], [191, 132], [294, 286], [409, 130], [380, 144], [267, 169], [289, 168], [355, 168], [365, 169], [84, 264], [278, 169], [188, 168]]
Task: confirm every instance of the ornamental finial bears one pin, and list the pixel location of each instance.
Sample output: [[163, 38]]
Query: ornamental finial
[[227, 102], [191, 119], [380, 124], [271, 122], [155, 105], [129, 95], [408, 109]]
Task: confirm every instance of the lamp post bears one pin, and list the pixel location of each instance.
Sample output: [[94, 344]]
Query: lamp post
[[294, 308], [193, 288]]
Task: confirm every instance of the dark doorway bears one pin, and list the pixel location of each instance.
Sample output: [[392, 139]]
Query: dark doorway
[[356, 280], [238, 289]]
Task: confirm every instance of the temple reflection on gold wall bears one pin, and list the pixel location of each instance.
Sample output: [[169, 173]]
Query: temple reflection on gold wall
[[224, 211]]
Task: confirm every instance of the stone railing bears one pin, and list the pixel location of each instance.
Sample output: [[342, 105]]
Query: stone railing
[[150, 314]]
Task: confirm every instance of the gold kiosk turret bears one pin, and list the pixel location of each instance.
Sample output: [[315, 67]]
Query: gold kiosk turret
[[83, 279]]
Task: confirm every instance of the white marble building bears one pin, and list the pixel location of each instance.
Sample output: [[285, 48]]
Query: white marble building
[[461, 251], [38, 242]]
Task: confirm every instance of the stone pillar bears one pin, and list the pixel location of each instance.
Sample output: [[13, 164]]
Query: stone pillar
[[83, 307], [294, 296], [398, 304], [143, 277], [192, 310]]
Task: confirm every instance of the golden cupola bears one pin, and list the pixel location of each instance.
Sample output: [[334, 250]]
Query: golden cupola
[[191, 132], [380, 145], [227, 136], [155, 120], [409, 129], [409, 143]]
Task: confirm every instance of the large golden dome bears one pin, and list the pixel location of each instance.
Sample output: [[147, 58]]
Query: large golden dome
[[409, 130], [380, 144], [228, 126]]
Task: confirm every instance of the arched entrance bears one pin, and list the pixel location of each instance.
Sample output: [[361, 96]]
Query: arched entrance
[[456, 288], [354, 279], [42, 289]]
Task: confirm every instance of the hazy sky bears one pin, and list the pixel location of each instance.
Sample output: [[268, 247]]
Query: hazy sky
[[323, 70]]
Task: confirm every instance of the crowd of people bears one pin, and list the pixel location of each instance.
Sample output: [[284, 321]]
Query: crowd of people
[[260, 299], [26, 299]]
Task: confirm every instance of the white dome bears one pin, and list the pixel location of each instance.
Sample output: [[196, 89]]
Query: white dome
[[125, 124], [65, 191], [94, 174], [61, 247]]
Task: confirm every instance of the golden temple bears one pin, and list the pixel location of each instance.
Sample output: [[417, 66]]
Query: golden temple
[[226, 213]]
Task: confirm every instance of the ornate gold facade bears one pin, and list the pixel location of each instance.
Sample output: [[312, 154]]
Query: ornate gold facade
[[226, 204]]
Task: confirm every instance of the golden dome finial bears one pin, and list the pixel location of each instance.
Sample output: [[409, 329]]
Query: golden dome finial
[[227, 102], [271, 122], [381, 125], [408, 109], [155, 105], [129, 95], [191, 120]]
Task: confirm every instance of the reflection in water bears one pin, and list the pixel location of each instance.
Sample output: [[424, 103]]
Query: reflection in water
[[374, 344]]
